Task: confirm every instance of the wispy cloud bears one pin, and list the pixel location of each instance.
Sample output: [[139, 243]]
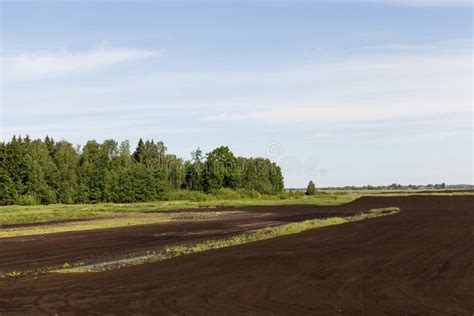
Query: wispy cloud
[[374, 88], [38, 65], [315, 114], [401, 132], [388, 85]]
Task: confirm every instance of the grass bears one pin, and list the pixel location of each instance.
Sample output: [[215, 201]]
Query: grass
[[243, 238], [15, 214], [112, 220], [13, 274]]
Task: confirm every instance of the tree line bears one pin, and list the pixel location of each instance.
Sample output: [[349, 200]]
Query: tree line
[[47, 171], [396, 186]]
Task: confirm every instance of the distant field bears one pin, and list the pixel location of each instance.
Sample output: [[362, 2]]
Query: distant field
[[14, 214]]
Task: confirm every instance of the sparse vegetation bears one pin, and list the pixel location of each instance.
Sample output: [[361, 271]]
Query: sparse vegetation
[[15, 214], [243, 238], [110, 220], [12, 214], [13, 274]]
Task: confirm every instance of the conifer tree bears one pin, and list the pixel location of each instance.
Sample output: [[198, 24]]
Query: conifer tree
[[311, 189]]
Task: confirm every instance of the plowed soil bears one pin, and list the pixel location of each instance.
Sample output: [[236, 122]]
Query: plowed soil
[[419, 261]]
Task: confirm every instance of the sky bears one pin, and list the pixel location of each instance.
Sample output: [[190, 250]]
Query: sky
[[342, 92]]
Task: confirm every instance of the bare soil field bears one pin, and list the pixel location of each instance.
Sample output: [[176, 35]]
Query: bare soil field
[[419, 261], [37, 251]]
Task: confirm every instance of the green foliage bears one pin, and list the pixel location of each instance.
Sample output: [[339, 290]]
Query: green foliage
[[8, 194], [311, 189], [27, 199], [261, 175], [66, 159], [13, 274], [185, 195], [48, 172], [193, 171], [221, 170]]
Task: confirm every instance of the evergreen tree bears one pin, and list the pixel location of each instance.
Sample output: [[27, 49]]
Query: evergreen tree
[[139, 151], [8, 194], [311, 189]]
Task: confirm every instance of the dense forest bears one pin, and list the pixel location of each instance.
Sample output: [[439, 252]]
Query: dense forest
[[48, 171]]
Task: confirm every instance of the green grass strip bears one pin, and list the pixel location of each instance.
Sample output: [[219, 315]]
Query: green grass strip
[[15, 214], [113, 221], [243, 238]]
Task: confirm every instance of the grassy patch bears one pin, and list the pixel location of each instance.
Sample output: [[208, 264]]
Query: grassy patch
[[243, 238], [113, 220], [13, 275], [38, 214], [14, 214]]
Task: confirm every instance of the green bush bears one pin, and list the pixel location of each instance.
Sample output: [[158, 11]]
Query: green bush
[[8, 192], [225, 194], [220, 194], [28, 199], [187, 195], [250, 194]]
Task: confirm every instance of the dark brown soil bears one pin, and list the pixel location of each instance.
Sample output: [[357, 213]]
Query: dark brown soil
[[420, 261], [29, 253], [45, 223]]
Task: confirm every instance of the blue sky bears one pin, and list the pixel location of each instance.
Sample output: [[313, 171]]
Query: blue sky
[[344, 92]]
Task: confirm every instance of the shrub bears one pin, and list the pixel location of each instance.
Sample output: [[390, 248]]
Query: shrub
[[186, 195], [311, 190], [28, 199]]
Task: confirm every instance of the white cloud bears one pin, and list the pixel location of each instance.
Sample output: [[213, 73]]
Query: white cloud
[[421, 80], [403, 133], [380, 87], [40, 65], [121, 128], [393, 85], [335, 113]]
